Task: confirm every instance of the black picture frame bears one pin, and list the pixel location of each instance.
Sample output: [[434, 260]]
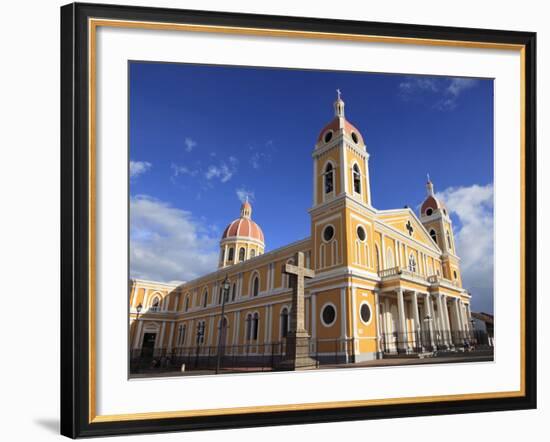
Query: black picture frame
[[75, 221]]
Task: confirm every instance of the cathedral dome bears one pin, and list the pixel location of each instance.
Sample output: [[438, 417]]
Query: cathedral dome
[[339, 123], [244, 227]]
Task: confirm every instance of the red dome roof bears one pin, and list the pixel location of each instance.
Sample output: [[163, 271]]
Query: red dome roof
[[334, 126], [431, 202], [244, 227]]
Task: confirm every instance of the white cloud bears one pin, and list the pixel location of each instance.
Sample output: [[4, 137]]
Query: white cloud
[[167, 243], [415, 84], [189, 144], [473, 206], [138, 168], [457, 85], [223, 171], [442, 93], [183, 170], [244, 194]]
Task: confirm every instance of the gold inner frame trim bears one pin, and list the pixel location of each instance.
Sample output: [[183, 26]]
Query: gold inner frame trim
[[93, 24]]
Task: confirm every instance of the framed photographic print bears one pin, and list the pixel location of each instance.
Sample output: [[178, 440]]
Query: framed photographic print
[[278, 220]]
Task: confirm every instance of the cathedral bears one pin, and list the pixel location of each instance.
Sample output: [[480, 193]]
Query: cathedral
[[387, 282]]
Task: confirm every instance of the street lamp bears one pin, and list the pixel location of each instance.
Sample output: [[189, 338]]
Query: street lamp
[[225, 293]]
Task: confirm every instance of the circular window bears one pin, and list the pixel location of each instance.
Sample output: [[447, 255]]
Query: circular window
[[328, 136], [328, 315], [361, 234], [429, 211], [328, 233], [354, 137], [365, 313]]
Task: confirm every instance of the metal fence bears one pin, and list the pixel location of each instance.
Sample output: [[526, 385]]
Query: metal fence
[[237, 358], [432, 340], [272, 356]]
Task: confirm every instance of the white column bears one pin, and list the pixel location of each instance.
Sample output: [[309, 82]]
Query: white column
[[442, 322], [446, 318], [430, 311], [402, 337], [415, 317]]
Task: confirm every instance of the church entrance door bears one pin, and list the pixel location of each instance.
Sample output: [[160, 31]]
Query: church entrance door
[[148, 345]]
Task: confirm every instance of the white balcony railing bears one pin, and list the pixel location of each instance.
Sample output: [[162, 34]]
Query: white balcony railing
[[400, 271]]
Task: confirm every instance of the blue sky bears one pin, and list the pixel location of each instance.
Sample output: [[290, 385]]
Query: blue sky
[[201, 137]]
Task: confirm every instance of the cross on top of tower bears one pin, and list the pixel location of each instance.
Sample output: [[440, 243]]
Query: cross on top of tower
[[339, 105]]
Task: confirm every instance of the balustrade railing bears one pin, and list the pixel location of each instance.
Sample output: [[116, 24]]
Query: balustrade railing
[[404, 271]]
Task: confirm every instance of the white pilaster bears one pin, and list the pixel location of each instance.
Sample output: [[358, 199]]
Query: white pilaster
[[171, 336], [377, 316], [137, 336], [161, 338], [313, 314]]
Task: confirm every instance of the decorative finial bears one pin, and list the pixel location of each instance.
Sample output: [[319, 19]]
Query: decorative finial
[[339, 105], [429, 186]]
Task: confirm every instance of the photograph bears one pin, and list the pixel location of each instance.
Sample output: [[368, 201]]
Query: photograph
[[300, 219]]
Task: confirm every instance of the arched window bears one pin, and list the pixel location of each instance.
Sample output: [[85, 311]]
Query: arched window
[[329, 178], [241, 254], [284, 322], [449, 240], [412, 263], [389, 258], [230, 254], [205, 298], [255, 326], [252, 253], [155, 305], [187, 303], [255, 286], [248, 327], [356, 179], [233, 291], [433, 235]]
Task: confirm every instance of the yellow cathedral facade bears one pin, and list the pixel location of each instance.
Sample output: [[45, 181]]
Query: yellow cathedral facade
[[386, 281]]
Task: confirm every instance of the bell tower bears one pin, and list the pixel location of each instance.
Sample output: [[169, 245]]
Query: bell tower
[[340, 161], [342, 215], [437, 221]]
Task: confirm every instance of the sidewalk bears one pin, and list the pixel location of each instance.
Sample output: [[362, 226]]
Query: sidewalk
[[394, 361]]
